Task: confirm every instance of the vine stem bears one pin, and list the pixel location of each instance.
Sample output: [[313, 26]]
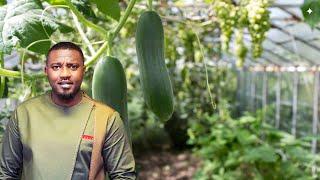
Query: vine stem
[[214, 105], [112, 35], [17, 74], [122, 20], [97, 55], [77, 24], [83, 35], [150, 5], [2, 78], [109, 48], [23, 55], [99, 29]]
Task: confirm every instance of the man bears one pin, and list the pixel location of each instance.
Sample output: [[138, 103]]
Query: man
[[64, 134]]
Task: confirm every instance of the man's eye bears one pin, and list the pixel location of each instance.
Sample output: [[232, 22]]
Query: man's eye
[[55, 68], [73, 67]]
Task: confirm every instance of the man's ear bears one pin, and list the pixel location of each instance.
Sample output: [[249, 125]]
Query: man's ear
[[45, 70]]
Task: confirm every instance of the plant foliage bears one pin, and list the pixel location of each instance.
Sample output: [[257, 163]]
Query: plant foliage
[[247, 148]]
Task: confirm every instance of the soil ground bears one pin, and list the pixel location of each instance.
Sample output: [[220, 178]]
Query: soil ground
[[166, 165]]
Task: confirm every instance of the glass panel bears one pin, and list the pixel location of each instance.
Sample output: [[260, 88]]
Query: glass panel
[[286, 101], [296, 11], [304, 51], [271, 99], [277, 36], [303, 31], [305, 100], [276, 13]]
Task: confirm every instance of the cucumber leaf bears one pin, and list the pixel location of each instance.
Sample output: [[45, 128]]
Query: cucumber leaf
[[312, 16], [83, 6], [108, 7], [3, 2], [23, 22]]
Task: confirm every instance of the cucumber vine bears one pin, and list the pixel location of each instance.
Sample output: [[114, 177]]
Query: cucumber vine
[[107, 36], [2, 78]]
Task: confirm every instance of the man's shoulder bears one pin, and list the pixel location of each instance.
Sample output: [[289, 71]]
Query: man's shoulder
[[32, 101], [101, 106]]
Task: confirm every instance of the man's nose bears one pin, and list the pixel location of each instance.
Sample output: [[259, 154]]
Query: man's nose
[[65, 72]]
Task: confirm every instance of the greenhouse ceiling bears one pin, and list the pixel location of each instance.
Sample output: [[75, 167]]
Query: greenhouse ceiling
[[290, 42], [290, 45]]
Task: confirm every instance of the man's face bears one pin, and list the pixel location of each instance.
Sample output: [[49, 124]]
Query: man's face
[[65, 70]]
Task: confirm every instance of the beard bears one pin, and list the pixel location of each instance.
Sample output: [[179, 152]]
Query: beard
[[66, 96]]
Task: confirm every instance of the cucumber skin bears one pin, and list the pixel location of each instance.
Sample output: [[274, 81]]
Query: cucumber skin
[[154, 76], [109, 86]]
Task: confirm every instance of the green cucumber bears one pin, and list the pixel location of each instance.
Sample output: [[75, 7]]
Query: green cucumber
[[109, 86], [86, 87], [154, 76]]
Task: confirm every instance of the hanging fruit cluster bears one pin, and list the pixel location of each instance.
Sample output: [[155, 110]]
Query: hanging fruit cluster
[[226, 16], [240, 48], [250, 14], [258, 17]]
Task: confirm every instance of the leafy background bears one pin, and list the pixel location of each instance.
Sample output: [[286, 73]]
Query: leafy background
[[227, 142]]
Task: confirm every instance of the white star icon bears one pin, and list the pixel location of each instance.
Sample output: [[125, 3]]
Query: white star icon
[[309, 11]]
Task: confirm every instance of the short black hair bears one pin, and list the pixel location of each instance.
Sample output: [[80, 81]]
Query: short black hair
[[65, 45]]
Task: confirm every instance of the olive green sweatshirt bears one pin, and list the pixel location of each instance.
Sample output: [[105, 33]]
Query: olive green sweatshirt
[[44, 141]]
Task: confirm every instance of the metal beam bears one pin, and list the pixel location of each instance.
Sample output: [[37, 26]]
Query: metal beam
[[295, 103], [264, 94], [297, 38], [253, 91], [315, 111], [286, 5], [289, 50], [278, 99], [270, 60], [279, 56], [286, 61]]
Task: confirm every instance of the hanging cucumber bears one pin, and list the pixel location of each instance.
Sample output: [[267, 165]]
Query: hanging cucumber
[[154, 76], [86, 87], [109, 86]]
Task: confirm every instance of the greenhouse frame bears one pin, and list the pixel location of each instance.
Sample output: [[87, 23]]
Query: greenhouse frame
[[281, 77]]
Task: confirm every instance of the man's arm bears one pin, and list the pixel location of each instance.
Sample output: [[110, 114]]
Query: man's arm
[[117, 154], [11, 155]]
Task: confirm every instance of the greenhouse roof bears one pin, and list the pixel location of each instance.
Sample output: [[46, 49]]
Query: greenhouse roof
[[290, 41]]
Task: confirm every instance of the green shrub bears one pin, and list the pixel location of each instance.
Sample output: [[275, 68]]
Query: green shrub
[[246, 148]]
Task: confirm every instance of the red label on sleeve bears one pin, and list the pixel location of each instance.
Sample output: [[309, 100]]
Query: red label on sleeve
[[87, 137]]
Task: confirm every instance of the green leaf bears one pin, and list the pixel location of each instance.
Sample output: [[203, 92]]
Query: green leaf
[[263, 153], [313, 18], [233, 158], [3, 2], [299, 154], [245, 137], [56, 2], [108, 7], [64, 28], [247, 120], [23, 22], [83, 6]]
